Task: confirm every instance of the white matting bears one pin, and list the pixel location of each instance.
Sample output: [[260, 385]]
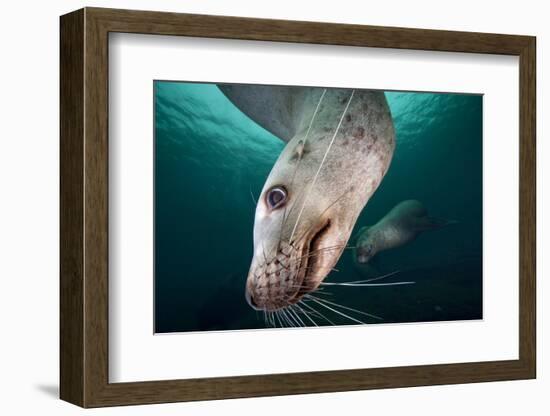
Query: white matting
[[136, 354]]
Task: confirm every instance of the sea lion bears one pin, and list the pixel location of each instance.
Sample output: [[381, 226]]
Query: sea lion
[[340, 143], [400, 226]]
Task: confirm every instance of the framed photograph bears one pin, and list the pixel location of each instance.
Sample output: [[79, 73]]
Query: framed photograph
[[255, 207]]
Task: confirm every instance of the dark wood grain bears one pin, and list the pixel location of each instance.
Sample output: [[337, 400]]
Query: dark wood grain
[[71, 100], [84, 207], [527, 208], [96, 219], [226, 27]]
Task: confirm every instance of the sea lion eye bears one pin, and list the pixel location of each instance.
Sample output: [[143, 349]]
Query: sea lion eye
[[276, 197]]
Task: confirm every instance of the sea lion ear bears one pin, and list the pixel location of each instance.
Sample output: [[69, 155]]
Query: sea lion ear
[[299, 151]]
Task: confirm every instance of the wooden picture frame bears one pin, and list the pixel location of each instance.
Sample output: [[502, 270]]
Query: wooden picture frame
[[84, 207]]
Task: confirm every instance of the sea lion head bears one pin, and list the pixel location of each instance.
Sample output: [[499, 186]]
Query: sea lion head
[[312, 197], [365, 249]]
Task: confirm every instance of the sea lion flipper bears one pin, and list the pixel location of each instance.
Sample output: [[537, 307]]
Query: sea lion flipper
[[433, 223], [275, 108]]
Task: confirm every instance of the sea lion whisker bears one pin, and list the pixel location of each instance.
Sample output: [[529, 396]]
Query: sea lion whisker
[[313, 313], [345, 307], [321, 165], [305, 314], [320, 291], [299, 310], [284, 321], [253, 199], [316, 312], [332, 269], [290, 321], [311, 267], [317, 252], [342, 246], [306, 256], [368, 284], [293, 312], [338, 312], [310, 253], [281, 319], [278, 318], [303, 287], [385, 276]]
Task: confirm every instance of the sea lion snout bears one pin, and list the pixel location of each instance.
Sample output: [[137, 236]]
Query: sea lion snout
[[364, 253], [365, 250], [250, 300], [274, 282]]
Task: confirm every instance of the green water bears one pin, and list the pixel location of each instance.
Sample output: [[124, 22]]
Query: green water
[[210, 158]]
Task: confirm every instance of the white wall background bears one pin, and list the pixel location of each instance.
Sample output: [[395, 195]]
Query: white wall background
[[29, 206]]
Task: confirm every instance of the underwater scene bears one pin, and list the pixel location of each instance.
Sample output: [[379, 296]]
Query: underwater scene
[[281, 207]]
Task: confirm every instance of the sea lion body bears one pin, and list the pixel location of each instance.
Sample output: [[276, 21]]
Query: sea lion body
[[398, 227], [340, 143]]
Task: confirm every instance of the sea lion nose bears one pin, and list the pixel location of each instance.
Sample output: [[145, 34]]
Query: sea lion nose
[[250, 301]]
